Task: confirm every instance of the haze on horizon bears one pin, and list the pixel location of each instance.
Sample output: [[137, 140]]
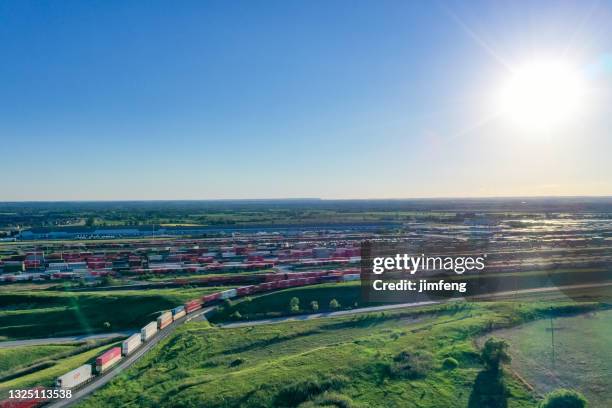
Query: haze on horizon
[[215, 100]]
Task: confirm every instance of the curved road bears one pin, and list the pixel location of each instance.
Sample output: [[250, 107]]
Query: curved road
[[67, 339], [403, 305]]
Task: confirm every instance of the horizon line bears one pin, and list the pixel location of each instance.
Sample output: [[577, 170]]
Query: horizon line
[[492, 197]]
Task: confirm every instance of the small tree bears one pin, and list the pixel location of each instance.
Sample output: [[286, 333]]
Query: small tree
[[294, 305], [495, 353], [236, 315], [106, 325], [563, 398], [334, 304], [314, 305]]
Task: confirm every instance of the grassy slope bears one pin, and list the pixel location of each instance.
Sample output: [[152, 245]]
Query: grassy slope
[[249, 367], [12, 358], [277, 303], [47, 376], [32, 314]]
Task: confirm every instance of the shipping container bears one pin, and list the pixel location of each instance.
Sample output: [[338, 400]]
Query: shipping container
[[164, 320], [148, 331], [131, 344], [228, 294], [108, 359], [75, 377], [244, 290], [193, 305], [179, 314], [211, 298]]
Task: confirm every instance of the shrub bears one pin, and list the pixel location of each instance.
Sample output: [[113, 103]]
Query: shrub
[[563, 398], [300, 391], [294, 305], [495, 353], [314, 305], [236, 315], [413, 364], [329, 399], [236, 362], [450, 363], [334, 304]]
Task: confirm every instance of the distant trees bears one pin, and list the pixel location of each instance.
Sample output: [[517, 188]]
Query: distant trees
[[314, 305], [495, 353], [294, 305], [334, 304], [563, 398]]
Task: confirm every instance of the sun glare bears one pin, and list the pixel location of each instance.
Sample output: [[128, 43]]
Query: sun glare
[[542, 95]]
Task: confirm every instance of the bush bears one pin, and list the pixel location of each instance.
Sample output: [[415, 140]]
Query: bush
[[495, 353], [412, 365], [297, 392], [334, 304], [563, 398], [450, 363], [329, 399], [236, 315], [314, 305], [294, 305], [236, 362]]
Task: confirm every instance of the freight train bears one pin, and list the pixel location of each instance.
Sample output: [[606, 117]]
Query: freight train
[[87, 372]]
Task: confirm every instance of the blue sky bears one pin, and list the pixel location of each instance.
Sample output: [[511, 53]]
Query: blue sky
[[271, 99]]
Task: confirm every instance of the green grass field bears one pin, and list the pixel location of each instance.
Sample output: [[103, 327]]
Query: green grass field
[[35, 314], [312, 363], [12, 359], [582, 358]]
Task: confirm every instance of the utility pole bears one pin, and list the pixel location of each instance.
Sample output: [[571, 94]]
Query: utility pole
[[552, 338]]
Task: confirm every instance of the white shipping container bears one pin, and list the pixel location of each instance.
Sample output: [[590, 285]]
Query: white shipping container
[[131, 344], [228, 294], [75, 377], [60, 266], [148, 331]]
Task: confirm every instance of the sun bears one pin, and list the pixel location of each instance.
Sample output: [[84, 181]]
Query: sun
[[542, 95]]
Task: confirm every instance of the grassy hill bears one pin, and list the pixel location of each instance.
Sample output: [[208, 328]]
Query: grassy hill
[[35, 314], [392, 359]]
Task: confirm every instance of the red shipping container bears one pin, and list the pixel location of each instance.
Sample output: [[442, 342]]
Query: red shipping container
[[193, 305], [211, 297], [109, 355]]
